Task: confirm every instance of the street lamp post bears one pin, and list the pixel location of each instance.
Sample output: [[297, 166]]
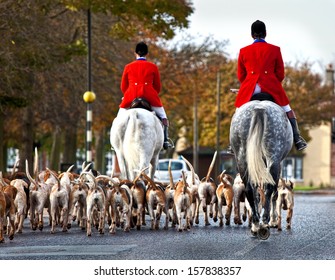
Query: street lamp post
[[218, 84], [330, 80], [89, 95], [195, 131]]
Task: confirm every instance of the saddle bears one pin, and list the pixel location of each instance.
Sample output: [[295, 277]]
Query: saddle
[[140, 103], [262, 96]]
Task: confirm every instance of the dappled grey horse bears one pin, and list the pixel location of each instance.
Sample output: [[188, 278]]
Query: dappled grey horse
[[261, 137]]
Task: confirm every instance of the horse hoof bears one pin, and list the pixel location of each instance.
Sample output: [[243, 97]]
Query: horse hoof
[[263, 233]]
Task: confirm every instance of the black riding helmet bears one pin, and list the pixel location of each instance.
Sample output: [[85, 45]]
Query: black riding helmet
[[258, 29], [141, 49]]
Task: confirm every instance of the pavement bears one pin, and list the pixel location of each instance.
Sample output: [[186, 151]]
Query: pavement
[[328, 191]]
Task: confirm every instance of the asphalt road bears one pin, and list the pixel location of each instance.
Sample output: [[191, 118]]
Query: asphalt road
[[312, 237]]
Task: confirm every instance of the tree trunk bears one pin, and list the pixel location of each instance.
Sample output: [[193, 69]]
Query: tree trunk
[[26, 150], [70, 146], [56, 149], [99, 160], [3, 160]]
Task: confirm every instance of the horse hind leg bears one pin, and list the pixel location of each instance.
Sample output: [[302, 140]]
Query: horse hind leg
[[269, 189], [237, 219], [273, 211], [255, 215]]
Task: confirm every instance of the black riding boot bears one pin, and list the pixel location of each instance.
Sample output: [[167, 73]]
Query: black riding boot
[[167, 142], [299, 142]]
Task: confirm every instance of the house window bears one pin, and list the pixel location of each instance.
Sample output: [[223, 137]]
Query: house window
[[292, 168]]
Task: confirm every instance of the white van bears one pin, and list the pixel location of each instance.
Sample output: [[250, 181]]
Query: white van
[[162, 173]]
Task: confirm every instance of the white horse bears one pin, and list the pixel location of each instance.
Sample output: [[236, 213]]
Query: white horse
[[137, 138]]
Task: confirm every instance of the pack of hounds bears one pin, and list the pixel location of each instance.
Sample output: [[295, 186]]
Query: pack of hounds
[[91, 200]]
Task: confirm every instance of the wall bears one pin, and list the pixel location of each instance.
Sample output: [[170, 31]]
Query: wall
[[317, 158]]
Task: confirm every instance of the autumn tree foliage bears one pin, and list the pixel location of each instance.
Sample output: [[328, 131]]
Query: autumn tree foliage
[[189, 73], [43, 61]]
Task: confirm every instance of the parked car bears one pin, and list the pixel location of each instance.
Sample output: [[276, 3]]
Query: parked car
[[162, 173]]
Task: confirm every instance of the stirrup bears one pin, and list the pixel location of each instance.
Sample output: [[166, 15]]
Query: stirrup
[[300, 144], [168, 144], [229, 150]]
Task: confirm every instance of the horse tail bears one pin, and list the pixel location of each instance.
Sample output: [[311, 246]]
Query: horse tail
[[127, 138], [259, 162]]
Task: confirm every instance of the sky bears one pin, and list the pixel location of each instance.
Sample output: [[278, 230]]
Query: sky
[[303, 29]]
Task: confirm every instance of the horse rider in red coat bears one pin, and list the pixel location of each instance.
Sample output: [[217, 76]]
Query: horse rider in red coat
[[260, 69], [141, 79]]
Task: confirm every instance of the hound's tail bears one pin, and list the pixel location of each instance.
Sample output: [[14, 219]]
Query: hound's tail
[[259, 161]]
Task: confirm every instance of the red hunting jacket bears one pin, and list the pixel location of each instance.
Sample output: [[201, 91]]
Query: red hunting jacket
[[260, 63], [141, 79]]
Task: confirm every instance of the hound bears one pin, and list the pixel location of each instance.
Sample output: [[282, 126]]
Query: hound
[[193, 182], [207, 194], [39, 192], [284, 201], [7, 209], [20, 203], [22, 176], [138, 192], [169, 204], [95, 202], [239, 197], [77, 204], [105, 183], [59, 200], [120, 199], [2, 214], [156, 201], [225, 194], [182, 202], [10, 193]]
